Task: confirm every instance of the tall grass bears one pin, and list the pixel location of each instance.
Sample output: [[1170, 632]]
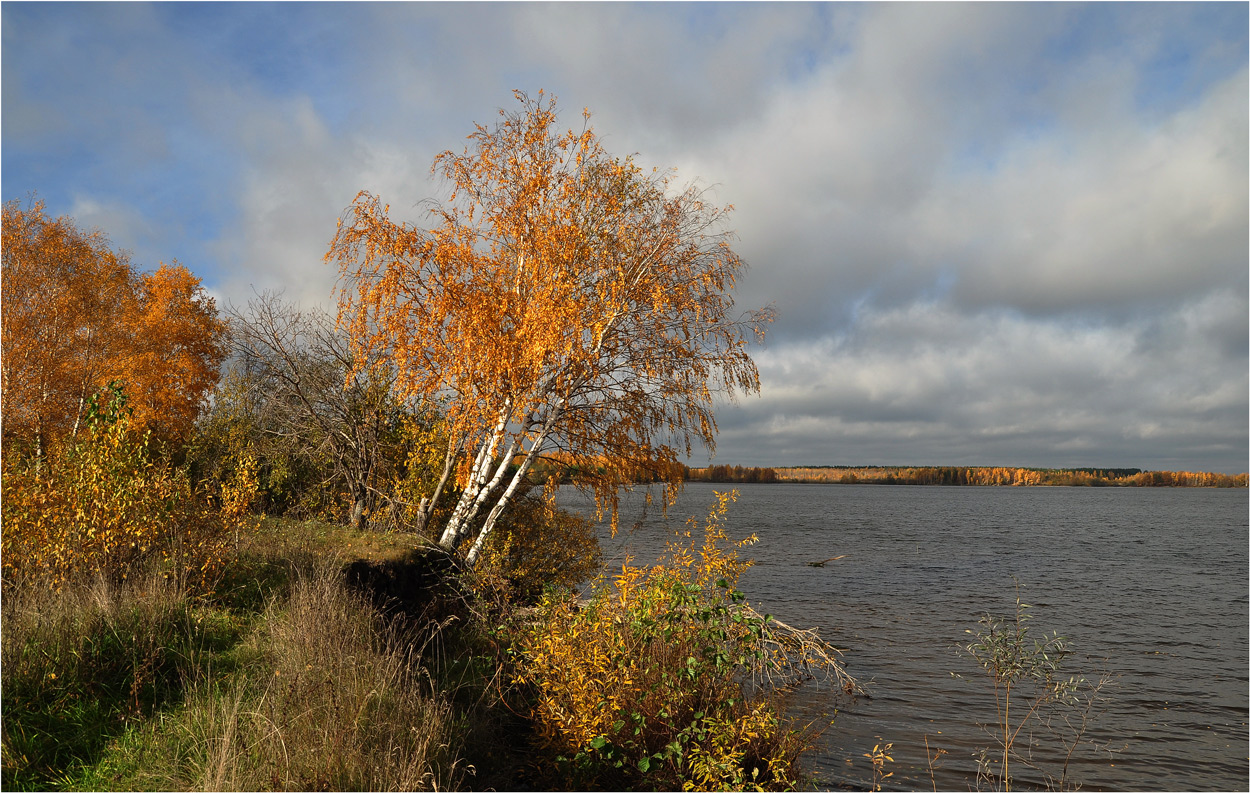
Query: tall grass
[[83, 664], [336, 700], [283, 680]]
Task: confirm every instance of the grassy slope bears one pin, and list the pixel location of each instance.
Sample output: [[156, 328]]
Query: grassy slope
[[281, 679]]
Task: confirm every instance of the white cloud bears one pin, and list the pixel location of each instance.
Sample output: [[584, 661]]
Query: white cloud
[[297, 180], [934, 385], [859, 181], [1062, 224]]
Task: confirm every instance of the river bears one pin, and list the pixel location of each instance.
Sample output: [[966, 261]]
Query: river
[[1149, 584]]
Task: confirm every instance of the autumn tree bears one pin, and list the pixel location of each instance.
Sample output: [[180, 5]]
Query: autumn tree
[[560, 299], [77, 316], [58, 284], [176, 348]]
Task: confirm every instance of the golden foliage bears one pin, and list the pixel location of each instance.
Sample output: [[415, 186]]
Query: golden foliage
[[424, 441], [562, 298], [880, 755], [736, 473], [77, 315], [107, 506], [649, 676], [177, 345], [238, 494]]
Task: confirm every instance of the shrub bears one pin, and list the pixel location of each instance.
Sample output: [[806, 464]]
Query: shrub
[[536, 546], [1031, 691], [107, 506], [666, 677]]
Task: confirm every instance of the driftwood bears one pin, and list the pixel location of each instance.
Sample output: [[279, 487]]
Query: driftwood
[[830, 559]]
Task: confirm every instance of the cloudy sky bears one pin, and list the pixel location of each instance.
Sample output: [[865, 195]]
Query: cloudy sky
[[995, 234]]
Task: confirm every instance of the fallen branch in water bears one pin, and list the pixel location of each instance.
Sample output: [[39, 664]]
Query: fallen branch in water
[[830, 559], [791, 650]]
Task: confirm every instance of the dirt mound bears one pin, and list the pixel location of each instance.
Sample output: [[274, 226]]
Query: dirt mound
[[423, 585]]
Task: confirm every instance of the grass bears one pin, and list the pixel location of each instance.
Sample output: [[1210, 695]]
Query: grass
[[81, 666], [332, 700], [284, 678]]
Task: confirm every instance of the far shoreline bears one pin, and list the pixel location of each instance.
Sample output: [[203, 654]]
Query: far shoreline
[[963, 476]]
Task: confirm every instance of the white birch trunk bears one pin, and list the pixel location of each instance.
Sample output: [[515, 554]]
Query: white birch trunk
[[470, 491], [82, 394], [457, 524], [476, 550], [485, 493]]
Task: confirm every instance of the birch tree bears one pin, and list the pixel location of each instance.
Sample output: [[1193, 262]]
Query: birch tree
[[559, 301]]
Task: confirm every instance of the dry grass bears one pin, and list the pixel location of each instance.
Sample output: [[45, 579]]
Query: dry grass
[[335, 701]]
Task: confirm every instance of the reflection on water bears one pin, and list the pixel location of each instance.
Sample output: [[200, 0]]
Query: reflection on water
[[1149, 583]]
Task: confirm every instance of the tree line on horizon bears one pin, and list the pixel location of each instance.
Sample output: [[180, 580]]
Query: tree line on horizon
[[995, 476], [731, 473]]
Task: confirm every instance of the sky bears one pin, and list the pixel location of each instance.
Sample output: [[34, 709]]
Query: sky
[[994, 234]]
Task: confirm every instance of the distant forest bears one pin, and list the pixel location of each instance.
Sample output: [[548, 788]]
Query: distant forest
[[974, 476]]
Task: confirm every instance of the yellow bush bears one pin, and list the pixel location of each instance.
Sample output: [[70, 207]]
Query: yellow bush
[[105, 505], [647, 683], [238, 494], [424, 438]]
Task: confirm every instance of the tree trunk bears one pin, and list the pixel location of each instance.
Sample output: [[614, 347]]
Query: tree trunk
[[427, 505], [485, 493], [458, 524], [452, 530], [358, 519], [476, 550]]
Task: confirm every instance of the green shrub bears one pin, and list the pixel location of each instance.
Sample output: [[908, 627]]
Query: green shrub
[[536, 546], [1034, 696]]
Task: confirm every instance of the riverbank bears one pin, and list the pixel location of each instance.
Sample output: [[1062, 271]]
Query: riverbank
[[283, 677], [326, 658]]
